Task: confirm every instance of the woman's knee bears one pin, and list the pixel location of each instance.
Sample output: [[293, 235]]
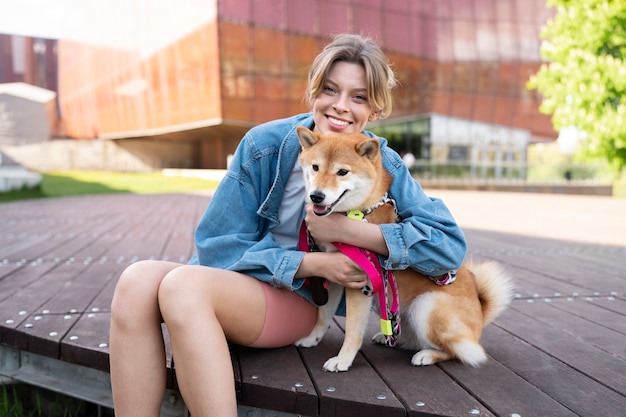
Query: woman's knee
[[183, 292], [136, 290]]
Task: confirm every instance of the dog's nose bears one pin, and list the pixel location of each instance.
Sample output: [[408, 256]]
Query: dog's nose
[[317, 197]]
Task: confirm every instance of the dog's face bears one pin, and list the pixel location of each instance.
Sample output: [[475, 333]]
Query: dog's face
[[339, 169]]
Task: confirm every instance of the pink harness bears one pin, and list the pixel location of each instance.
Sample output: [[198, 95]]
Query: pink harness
[[381, 279]]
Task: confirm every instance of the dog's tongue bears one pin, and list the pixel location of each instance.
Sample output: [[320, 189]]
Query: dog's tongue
[[321, 210]]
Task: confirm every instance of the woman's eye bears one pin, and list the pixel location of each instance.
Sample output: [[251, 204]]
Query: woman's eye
[[329, 90], [361, 99], [342, 172]]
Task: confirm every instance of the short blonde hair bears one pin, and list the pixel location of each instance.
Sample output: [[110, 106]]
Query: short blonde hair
[[360, 50]]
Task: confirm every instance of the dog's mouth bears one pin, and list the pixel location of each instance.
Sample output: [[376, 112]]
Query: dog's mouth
[[321, 210]]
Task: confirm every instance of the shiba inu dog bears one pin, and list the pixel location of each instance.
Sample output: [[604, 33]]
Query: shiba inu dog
[[343, 173]]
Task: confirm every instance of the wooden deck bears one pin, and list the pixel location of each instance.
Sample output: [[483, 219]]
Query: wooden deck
[[559, 350]]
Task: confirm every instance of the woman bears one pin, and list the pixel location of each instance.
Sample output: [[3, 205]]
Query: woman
[[245, 285]]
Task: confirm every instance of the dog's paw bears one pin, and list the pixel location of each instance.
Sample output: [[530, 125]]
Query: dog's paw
[[429, 357], [379, 338], [310, 340], [335, 364], [423, 358]]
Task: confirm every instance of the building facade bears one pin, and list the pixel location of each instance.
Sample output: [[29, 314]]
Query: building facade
[[462, 64]]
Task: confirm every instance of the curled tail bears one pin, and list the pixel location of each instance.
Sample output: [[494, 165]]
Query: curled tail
[[495, 288]]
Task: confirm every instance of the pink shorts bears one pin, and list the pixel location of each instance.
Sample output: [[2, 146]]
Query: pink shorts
[[288, 318]]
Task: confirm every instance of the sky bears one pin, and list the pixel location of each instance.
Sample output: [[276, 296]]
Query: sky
[[143, 25]]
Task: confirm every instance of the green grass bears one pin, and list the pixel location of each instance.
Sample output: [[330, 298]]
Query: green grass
[[26, 401], [68, 183]]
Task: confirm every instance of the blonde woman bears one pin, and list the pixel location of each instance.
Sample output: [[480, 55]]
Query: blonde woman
[[245, 285]]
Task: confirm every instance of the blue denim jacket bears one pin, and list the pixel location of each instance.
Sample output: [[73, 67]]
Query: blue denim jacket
[[234, 231]]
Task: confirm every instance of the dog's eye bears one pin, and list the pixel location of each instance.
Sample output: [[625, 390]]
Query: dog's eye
[[342, 172], [315, 168]]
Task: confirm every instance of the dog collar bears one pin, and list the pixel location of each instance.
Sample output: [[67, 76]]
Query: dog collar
[[360, 214], [356, 215]]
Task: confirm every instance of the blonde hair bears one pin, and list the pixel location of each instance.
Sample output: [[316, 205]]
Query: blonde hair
[[360, 50]]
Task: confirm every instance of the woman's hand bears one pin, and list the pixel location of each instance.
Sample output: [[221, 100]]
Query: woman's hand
[[337, 227], [335, 267]]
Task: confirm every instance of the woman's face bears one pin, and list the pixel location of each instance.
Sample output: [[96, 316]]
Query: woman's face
[[343, 104]]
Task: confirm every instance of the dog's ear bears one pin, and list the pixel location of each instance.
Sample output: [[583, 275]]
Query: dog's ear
[[368, 148], [307, 137]]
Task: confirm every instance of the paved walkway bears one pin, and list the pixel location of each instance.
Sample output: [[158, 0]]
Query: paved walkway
[[586, 219]]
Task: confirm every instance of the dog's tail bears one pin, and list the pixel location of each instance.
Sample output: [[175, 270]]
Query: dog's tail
[[495, 288]]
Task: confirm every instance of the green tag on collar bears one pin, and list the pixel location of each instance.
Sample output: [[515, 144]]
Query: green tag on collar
[[356, 214]]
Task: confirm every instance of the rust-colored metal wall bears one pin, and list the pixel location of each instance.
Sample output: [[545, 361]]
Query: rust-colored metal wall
[[106, 92]]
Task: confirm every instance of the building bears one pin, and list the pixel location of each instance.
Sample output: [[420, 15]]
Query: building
[[463, 66]]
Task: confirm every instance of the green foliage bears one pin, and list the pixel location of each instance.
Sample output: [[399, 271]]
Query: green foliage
[[25, 401], [583, 82]]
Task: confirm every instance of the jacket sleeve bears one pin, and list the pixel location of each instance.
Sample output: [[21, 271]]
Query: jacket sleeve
[[427, 238], [231, 233]]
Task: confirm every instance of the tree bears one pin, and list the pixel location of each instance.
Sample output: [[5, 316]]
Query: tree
[[583, 81]]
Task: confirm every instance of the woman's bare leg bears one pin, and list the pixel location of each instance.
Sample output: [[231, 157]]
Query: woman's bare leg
[[137, 352], [202, 308]]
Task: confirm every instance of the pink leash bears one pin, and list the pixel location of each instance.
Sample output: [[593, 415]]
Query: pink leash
[[380, 278]]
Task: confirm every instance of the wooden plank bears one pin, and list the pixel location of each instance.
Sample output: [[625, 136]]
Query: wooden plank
[[424, 390], [503, 389], [619, 307], [60, 241], [276, 379], [565, 270], [42, 333], [7, 268], [103, 299], [28, 301], [538, 274], [604, 311], [21, 276], [358, 392], [87, 341], [180, 245], [559, 364], [535, 284], [24, 288], [527, 322], [79, 292], [584, 330], [608, 261]]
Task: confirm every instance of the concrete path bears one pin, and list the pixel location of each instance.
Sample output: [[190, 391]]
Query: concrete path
[[580, 218]]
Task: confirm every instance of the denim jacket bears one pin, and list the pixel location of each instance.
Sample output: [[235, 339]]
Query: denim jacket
[[234, 231]]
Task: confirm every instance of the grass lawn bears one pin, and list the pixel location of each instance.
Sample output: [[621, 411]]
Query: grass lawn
[[67, 183]]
